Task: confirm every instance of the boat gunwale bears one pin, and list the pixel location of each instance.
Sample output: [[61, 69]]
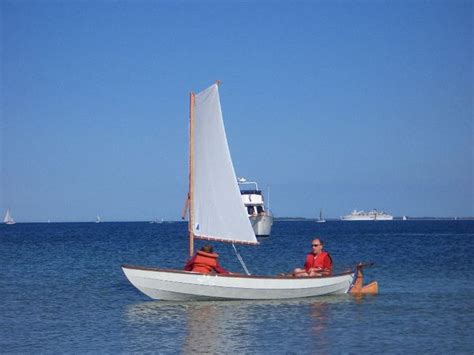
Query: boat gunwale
[[277, 277]]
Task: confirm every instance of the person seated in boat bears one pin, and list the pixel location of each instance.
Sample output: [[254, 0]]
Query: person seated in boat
[[205, 261], [318, 262]]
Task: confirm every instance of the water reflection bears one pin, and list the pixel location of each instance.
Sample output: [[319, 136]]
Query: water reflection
[[216, 328], [199, 327], [154, 312], [242, 326], [319, 316]]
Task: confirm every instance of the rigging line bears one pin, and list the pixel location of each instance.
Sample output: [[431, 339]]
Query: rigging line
[[240, 259]]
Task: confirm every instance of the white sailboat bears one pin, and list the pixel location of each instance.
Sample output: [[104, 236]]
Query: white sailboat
[[8, 218], [321, 220], [216, 212], [97, 219]]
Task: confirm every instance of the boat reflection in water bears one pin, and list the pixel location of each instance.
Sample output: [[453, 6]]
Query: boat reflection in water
[[196, 327], [215, 329], [224, 326]]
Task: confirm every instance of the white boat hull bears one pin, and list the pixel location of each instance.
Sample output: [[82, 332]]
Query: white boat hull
[[261, 225], [174, 285]]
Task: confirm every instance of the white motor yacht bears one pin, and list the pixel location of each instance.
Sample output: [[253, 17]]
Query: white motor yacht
[[260, 218]]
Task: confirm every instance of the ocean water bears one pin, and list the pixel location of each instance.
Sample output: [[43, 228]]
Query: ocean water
[[62, 291]]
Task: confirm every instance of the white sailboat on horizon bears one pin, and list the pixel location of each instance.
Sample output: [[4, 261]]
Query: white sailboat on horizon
[[321, 220], [8, 218], [212, 182]]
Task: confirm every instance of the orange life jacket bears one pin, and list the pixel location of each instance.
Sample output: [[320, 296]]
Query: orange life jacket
[[322, 260], [204, 262]]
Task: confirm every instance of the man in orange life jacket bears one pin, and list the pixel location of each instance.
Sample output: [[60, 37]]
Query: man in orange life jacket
[[318, 262], [205, 261]]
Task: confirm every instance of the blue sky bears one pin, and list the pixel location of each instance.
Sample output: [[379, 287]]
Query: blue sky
[[333, 105]]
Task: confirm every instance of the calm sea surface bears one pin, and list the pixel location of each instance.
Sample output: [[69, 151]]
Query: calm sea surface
[[62, 290]]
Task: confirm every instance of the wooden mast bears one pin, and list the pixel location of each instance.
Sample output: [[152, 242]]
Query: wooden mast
[[191, 173], [192, 98]]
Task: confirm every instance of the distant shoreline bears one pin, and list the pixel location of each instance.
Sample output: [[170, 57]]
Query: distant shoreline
[[277, 219]]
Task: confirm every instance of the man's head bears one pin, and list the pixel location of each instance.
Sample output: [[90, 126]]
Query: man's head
[[207, 248], [317, 246]]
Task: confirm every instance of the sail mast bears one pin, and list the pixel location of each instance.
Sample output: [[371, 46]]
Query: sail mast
[[191, 173]]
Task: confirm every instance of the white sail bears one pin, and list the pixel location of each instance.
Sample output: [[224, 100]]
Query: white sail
[[8, 218], [217, 209]]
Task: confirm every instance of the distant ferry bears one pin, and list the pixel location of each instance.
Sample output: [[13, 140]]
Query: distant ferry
[[373, 215]]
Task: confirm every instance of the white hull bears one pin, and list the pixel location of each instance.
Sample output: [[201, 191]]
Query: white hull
[[174, 285], [261, 225]]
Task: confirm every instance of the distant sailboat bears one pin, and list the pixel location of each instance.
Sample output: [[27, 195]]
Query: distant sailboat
[[8, 218], [320, 220], [98, 220]]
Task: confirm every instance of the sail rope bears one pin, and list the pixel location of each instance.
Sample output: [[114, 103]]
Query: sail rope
[[240, 259]]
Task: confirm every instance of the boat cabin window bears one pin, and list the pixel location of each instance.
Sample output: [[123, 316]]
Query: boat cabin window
[[259, 209], [250, 210]]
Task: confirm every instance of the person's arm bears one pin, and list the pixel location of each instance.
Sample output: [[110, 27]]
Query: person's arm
[[220, 270], [327, 265], [189, 264]]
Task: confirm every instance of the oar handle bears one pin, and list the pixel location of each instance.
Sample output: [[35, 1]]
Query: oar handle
[[362, 265]]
